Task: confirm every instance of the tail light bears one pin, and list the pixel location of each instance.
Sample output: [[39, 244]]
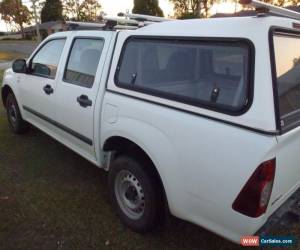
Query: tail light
[[254, 197]]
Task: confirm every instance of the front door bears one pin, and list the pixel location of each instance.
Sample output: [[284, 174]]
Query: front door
[[78, 88], [38, 86]]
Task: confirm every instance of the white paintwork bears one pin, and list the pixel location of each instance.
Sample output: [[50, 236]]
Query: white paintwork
[[32, 95], [203, 163], [68, 111]]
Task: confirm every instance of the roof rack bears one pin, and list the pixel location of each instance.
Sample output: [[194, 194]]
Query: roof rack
[[136, 21], [264, 8], [124, 21], [72, 25], [146, 18]]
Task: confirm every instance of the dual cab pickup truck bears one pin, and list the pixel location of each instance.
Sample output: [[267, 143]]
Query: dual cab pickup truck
[[196, 117]]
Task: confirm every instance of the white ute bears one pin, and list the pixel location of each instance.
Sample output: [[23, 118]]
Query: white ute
[[196, 117]]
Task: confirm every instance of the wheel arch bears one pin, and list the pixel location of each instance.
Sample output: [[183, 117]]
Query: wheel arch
[[124, 145], [4, 93]]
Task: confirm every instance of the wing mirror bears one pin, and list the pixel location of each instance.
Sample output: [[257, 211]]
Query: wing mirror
[[19, 66]]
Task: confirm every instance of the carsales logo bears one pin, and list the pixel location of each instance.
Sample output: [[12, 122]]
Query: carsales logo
[[250, 241]]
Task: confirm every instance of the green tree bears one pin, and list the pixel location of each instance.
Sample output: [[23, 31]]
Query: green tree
[[72, 9], [147, 7], [52, 11], [280, 3], [295, 2], [14, 11], [85, 11], [186, 8], [206, 6], [192, 8], [90, 11]]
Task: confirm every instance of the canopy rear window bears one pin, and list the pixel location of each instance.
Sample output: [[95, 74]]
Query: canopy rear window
[[287, 61], [211, 74]]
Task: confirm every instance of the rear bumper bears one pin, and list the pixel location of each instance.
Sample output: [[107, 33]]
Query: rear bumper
[[287, 214]]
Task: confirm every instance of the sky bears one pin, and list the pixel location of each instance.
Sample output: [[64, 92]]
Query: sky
[[113, 7]]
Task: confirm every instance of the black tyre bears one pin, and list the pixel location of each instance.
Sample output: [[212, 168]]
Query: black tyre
[[17, 124], [136, 193]]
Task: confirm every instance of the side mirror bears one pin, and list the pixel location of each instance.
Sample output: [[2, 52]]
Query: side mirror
[[19, 66]]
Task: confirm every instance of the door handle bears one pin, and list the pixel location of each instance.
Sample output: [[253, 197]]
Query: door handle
[[48, 89], [84, 101]]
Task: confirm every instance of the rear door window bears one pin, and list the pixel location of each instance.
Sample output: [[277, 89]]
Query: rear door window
[[287, 61], [83, 61], [207, 74]]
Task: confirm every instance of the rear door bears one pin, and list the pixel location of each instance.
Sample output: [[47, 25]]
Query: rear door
[[287, 95], [78, 88]]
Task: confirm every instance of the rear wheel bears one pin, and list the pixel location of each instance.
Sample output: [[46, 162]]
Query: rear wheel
[[17, 124], [136, 194]]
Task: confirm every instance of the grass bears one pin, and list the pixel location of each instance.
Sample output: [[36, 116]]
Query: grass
[[51, 198], [9, 56]]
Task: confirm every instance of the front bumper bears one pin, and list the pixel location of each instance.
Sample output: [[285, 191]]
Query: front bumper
[[286, 215]]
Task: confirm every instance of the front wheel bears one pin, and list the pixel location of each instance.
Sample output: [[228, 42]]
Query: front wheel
[[135, 193], [17, 124]]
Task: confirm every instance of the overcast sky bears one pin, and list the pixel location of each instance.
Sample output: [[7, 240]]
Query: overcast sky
[[112, 7]]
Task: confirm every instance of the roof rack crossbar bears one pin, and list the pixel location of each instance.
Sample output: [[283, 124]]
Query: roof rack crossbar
[[262, 7], [147, 18], [128, 21]]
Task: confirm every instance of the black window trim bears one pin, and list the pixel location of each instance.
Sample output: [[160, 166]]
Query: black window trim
[[69, 55], [187, 100], [288, 33], [39, 49]]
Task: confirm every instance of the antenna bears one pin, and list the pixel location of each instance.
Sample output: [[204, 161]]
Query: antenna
[[261, 7]]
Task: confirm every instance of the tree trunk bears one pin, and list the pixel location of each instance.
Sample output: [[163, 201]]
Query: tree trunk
[[22, 30], [206, 9], [199, 9]]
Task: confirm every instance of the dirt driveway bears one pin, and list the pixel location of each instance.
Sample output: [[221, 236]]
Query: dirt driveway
[[10, 50], [23, 47]]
